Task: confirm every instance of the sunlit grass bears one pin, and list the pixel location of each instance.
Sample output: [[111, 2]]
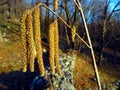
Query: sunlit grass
[[10, 57]]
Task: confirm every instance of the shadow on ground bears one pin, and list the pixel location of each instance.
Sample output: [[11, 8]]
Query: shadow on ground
[[16, 80]]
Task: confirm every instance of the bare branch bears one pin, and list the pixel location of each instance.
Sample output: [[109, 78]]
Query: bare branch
[[60, 18], [116, 10], [90, 43], [112, 11]]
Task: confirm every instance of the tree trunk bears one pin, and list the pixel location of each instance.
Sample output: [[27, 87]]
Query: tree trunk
[[68, 22], [104, 26]]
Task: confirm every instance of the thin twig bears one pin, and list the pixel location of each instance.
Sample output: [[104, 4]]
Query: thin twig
[[89, 40], [41, 4]]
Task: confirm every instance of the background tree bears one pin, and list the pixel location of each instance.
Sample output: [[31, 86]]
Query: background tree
[[101, 16], [106, 17]]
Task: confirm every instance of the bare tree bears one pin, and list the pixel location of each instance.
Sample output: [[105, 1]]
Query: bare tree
[[105, 24]]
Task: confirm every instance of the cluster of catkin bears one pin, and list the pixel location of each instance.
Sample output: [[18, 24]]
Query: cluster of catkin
[[36, 18], [24, 40], [73, 28], [31, 41], [55, 4], [53, 47]]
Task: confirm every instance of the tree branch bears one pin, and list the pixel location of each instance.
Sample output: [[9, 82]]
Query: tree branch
[[60, 18], [116, 10], [77, 3], [112, 12]]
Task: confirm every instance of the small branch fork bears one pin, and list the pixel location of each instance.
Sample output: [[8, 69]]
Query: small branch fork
[[77, 3]]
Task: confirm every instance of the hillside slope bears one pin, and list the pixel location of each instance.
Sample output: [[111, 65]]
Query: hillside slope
[[84, 77]]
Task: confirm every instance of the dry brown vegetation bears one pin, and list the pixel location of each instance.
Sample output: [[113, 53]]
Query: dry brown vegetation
[[10, 56], [83, 72]]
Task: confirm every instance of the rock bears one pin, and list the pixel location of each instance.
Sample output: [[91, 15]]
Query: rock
[[67, 86], [117, 83], [67, 62], [104, 87], [39, 83]]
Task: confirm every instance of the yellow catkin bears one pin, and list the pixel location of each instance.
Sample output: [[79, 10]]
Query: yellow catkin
[[24, 41], [73, 34], [30, 41], [36, 19], [56, 47], [51, 47], [55, 4]]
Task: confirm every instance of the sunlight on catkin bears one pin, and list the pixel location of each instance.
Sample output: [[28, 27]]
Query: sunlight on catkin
[[36, 18], [55, 4], [73, 34], [30, 41], [51, 47], [56, 47], [24, 40], [30, 22]]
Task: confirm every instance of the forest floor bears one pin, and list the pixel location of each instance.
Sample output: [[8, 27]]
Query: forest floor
[[12, 78]]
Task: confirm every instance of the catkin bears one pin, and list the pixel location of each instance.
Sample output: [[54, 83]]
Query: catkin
[[73, 34], [36, 19], [24, 40], [51, 47], [30, 41], [56, 44], [55, 4]]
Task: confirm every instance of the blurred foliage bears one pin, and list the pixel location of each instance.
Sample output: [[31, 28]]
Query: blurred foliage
[[10, 30]]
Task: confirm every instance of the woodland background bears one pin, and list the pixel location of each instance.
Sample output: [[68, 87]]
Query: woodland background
[[103, 21], [102, 17]]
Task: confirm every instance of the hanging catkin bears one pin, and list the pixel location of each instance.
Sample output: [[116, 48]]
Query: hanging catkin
[[51, 47], [30, 39], [55, 4], [24, 40], [56, 44], [36, 18], [73, 34]]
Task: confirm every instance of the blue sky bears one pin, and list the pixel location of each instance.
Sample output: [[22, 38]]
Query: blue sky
[[28, 1], [112, 4]]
